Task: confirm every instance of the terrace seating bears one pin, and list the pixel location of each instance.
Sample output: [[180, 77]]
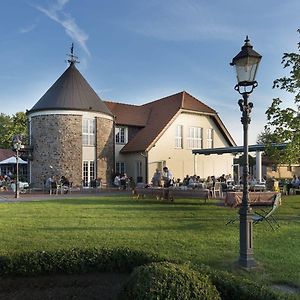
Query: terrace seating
[[172, 193]]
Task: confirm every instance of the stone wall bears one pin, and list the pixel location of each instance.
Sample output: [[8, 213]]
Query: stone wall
[[57, 148], [105, 149]]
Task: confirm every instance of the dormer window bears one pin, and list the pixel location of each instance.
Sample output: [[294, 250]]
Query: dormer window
[[121, 135]]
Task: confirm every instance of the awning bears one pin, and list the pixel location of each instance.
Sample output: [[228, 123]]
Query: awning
[[12, 160]]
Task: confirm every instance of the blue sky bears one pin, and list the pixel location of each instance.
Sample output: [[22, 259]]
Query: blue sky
[[136, 51]]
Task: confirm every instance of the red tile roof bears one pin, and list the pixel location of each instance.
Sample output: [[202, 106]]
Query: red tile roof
[[155, 116], [6, 153]]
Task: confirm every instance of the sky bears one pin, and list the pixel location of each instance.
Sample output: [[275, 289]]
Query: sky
[[137, 51]]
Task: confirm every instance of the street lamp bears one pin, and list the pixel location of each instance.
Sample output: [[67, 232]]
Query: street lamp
[[246, 63], [17, 144]]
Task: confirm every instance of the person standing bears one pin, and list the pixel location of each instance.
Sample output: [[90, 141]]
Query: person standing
[[167, 178]]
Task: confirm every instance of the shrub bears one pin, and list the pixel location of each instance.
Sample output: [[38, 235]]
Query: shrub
[[74, 261], [233, 287], [167, 281]]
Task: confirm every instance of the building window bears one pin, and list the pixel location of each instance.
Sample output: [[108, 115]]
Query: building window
[[121, 135], [88, 132], [195, 138], [210, 138], [88, 172], [120, 167], [179, 136], [139, 175]]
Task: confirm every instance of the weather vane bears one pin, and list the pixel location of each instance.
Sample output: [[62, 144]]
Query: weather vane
[[72, 58]]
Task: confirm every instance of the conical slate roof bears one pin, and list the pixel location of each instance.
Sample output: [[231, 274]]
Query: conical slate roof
[[71, 92]]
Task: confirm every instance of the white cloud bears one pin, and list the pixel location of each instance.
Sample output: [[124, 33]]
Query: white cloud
[[27, 29], [56, 13], [177, 20]]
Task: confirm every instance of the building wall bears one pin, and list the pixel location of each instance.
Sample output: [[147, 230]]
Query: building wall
[[282, 171], [56, 137], [181, 161], [105, 148], [57, 147]]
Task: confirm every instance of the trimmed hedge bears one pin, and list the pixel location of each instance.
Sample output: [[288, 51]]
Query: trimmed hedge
[[233, 287], [125, 260], [74, 261], [169, 282]]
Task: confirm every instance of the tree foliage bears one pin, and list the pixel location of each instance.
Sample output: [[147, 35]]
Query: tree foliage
[[283, 123], [10, 126]]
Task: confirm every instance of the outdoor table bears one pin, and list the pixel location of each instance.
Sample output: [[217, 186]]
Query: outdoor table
[[234, 199], [159, 193]]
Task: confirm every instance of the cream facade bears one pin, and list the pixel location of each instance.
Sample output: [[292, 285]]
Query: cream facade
[[173, 148]]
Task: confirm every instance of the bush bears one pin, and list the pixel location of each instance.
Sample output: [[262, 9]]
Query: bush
[[167, 281], [74, 261], [232, 287]]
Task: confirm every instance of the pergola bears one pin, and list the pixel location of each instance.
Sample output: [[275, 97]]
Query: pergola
[[259, 148]]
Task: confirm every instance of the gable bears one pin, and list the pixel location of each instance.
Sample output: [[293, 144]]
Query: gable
[[155, 117]]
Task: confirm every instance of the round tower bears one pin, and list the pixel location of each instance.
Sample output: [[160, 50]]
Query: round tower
[[71, 132]]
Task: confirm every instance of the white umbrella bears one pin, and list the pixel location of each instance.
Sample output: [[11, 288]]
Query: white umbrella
[[12, 160]]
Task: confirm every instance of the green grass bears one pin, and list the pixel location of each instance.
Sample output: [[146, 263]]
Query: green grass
[[187, 230]]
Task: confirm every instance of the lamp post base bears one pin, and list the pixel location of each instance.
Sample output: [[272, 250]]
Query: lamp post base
[[246, 259]]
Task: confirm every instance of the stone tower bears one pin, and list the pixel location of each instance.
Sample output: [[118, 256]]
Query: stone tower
[[71, 132]]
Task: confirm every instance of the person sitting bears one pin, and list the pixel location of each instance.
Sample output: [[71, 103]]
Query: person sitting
[[123, 181], [65, 184], [185, 181], [156, 179], [295, 183]]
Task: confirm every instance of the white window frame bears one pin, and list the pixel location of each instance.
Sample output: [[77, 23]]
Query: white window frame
[[120, 167], [179, 137], [210, 138], [88, 131], [121, 134], [88, 172], [195, 138]]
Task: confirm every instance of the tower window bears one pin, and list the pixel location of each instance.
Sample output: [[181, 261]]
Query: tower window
[[88, 132]]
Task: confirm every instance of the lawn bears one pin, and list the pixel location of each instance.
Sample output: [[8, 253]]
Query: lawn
[[187, 229]]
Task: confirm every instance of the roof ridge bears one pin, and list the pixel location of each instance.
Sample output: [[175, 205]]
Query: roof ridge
[[200, 101], [151, 102], [114, 102]]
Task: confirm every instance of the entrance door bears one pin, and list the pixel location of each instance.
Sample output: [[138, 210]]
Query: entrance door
[[88, 172]]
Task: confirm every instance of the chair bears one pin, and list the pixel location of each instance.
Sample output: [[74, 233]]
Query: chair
[[265, 215], [217, 190], [268, 215]]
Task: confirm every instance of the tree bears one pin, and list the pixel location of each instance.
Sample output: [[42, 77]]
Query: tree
[[283, 123], [10, 126]]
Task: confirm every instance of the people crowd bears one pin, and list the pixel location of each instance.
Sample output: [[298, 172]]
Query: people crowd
[[160, 178]]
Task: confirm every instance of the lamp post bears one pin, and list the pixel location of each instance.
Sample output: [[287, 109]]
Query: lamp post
[[246, 63], [17, 144]]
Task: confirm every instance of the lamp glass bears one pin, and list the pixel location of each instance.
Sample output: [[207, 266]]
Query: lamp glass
[[246, 69]]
